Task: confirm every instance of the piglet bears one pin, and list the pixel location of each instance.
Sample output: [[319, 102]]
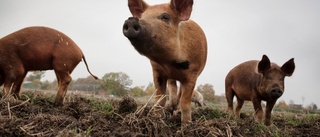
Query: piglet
[[257, 81]]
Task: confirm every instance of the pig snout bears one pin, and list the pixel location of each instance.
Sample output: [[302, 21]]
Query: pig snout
[[276, 92], [131, 27]]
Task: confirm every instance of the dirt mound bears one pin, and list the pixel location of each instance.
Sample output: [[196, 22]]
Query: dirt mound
[[35, 115]]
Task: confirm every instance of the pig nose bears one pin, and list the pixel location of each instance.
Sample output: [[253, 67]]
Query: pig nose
[[276, 92], [131, 27]]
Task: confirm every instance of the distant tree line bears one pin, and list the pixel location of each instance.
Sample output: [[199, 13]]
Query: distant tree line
[[283, 104], [113, 83]]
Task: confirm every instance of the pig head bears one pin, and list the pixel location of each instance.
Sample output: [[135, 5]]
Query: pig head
[[38, 48], [175, 45], [256, 81]]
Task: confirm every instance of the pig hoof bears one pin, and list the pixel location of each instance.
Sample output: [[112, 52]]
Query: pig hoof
[[16, 96], [243, 116], [58, 104], [185, 124], [176, 112], [267, 123], [171, 108]]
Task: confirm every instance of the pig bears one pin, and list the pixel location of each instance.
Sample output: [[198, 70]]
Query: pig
[[256, 81], [175, 45], [38, 48], [197, 98]]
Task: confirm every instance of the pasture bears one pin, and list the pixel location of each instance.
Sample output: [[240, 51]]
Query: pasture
[[90, 115]]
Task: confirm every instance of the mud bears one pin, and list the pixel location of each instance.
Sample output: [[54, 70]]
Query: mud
[[36, 115]]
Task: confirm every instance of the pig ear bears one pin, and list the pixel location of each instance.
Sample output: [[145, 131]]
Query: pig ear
[[264, 64], [288, 67], [183, 7], [137, 7]]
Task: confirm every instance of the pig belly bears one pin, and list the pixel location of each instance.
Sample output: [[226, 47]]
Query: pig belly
[[40, 63], [243, 93]]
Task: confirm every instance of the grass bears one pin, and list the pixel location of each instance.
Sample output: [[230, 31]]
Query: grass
[[105, 107], [286, 121]]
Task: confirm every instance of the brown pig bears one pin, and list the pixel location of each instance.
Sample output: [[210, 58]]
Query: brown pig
[[256, 81], [38, 48], [175, 45]]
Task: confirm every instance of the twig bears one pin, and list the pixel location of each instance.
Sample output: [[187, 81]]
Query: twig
[[163, 122], [7, 95], [24, 102], [40, 133], [32, 126], [26, 127], [157, 103], [228, 130], [9, 111], [145, 105], [118, 115], [10, 88]]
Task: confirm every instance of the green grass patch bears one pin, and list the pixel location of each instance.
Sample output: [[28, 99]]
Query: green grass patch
[[105, 107]]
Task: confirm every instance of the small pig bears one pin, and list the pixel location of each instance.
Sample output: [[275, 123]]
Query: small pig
[[256, 81], [175, 45], [197, 98], [38, 48]]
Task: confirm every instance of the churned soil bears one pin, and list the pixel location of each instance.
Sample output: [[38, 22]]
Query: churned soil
[[35, 115]]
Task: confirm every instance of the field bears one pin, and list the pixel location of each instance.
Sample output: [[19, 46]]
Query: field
[[88, 115]]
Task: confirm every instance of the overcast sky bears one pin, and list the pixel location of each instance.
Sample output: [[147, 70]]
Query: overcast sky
[[236, 31]]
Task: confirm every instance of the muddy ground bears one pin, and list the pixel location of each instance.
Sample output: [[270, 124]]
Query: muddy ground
[[35, 115]]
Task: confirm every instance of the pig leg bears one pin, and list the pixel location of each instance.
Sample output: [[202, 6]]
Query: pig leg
[[269, 107], [185, 101], [173, 97], [239, 106], [13, 86], [229, 97], [64, 79], [179, 96], [17, 86], [258, 109], [161, 85], [13, 81], [177, 110]]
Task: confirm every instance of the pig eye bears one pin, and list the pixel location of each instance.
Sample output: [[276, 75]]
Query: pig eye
[[165, 17], [282, 79]]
